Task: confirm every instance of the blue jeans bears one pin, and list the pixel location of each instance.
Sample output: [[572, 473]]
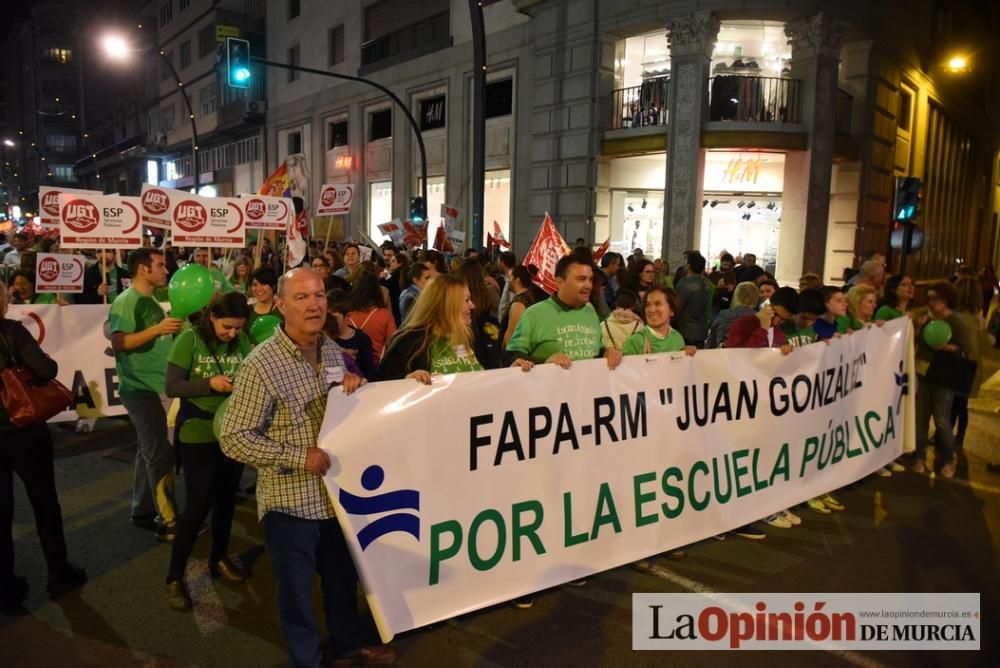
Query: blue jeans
[[153, 484], [934, 401], [299, 549]]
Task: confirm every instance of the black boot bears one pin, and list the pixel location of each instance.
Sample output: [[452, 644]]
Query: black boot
[[13, 592]]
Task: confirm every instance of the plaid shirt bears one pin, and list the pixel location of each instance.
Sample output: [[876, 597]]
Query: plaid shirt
[[274, 416]]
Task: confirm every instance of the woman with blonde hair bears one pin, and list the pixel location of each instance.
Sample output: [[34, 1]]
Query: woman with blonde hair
[[862, 300], [437, 337]]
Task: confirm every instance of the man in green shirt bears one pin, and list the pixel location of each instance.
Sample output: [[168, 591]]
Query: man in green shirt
[[564, 327], [141, 336]]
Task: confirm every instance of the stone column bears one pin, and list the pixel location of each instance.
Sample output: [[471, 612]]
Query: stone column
[[692, 39], [805, 213]]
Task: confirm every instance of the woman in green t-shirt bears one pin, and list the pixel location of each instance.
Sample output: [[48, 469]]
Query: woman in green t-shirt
[[659, 306], [201, 368], [861, 303], [263, 285], [899, 291], [437, 337]]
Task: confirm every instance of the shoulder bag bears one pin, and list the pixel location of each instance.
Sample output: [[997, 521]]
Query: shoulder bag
[[26, 400]]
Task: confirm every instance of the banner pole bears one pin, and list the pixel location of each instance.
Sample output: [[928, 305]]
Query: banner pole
[[329, 228], [104, 276]]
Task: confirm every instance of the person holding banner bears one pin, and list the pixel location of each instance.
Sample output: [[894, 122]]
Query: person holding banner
[[659, 306], [273, 423], [27, 451], [141, 335], [438, 336], [565, 327], [201, 370]]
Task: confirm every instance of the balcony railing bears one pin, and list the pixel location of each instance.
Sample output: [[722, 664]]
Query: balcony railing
[[412, 41], [842, 114], [754, 99], [640, 106]]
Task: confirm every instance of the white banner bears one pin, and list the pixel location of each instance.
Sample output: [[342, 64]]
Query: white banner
[[105, 221], [157, 205], [48, 198], [208, 221], [77, 337], [267, 213], [335, 199], [58, 273], [487, 486]]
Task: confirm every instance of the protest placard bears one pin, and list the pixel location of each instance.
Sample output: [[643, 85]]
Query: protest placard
[[99, 221], [57, 272]]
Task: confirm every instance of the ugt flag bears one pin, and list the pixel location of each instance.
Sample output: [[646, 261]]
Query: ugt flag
[[545, 252]]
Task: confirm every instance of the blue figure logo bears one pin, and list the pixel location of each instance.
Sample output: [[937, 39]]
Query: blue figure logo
[[372, 479], [903, 383]]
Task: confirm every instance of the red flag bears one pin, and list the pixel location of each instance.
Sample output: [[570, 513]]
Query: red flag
[[545, 252], [602, 249], [441, 242], [490, 242], [498, 236]]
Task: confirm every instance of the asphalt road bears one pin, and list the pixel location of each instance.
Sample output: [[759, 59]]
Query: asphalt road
[[907, 533]]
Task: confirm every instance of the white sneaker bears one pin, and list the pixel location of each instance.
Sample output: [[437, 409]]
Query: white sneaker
[[792, 517], [896, 467], [778, 520], [883, 473]]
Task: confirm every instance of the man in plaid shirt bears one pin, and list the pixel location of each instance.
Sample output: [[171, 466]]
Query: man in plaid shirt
[[273, 423]]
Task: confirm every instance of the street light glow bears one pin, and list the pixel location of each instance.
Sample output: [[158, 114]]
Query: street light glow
[[958, 63], [8, 142], [115, 47]]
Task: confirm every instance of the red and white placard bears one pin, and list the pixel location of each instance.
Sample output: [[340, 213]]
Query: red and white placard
[[48, 214], [99, 221], [267, 213], [335, 199], [208, 221], [157, 205], [58, 272]]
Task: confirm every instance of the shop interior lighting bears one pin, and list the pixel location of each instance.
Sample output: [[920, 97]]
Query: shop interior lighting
[[630, 209], [715, 203], [741, 204], [643, 202], [751, 205], [704, 203]]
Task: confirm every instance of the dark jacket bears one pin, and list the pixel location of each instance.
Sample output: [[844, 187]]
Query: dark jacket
[[92, 280], [18, 343], [720, 326], [396, 362]]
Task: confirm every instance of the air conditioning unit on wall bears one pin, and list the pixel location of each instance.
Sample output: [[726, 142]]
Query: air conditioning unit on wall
[[254, 107]]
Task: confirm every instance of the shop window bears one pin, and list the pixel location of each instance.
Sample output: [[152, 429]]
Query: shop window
[[432, 113], [380, 125], [499, 98], [496, 201], [379, 208], [435, 198], [338, 134], [904, 115], [208, 99]]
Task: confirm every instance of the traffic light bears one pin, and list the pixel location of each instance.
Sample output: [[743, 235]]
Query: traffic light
[[899, 241], [418, 209], [238, 62], [909, 197]]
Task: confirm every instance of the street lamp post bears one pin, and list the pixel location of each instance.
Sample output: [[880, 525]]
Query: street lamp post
[[118, 48]]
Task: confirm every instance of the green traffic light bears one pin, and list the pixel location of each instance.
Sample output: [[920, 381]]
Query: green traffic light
[[241, 74]]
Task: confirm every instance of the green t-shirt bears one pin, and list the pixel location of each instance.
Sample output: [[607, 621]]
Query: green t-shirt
[[886, 312], [551, 327], [44, 298], [797, 336], [635, 344], [145, 367], [846, 322], [189, 351], [448, 359]]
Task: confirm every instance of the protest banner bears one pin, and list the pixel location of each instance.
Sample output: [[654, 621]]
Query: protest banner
[[56, 272], [48, 200], [157, 205], [527, 481], [267, 213], [208, 221], [78, 338], [452, 216], [393, 230], [99, 221], [335, 199]]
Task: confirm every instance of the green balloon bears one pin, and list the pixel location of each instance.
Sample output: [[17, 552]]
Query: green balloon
[[264, 327], [937, 333], [191, 290], [220, 415]]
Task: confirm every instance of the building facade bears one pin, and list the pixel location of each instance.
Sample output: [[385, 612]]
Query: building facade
[[762, 127]]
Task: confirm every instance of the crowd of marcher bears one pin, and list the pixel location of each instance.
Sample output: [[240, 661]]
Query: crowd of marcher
[[352, 315]]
